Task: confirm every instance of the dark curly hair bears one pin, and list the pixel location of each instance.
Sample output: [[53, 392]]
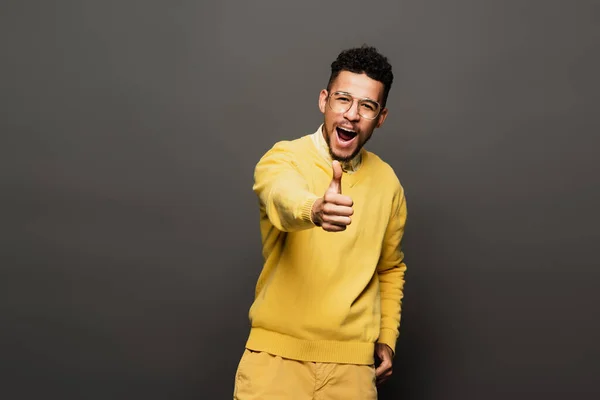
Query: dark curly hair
[[364, 59]]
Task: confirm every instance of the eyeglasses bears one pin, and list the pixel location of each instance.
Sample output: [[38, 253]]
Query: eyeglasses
[[341, 102]]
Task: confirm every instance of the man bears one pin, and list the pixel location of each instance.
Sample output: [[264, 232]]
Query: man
[[328, 299]]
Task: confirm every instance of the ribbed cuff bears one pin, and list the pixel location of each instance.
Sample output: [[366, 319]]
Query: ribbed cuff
[[389, 337], [306, 210]]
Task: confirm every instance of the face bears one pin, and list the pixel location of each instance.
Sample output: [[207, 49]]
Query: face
[[347, 132]]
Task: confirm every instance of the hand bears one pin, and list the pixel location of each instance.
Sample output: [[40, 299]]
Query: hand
[[332, 212], [384, 370]]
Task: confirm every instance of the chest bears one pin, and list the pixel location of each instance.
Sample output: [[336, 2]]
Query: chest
[[372, 203]]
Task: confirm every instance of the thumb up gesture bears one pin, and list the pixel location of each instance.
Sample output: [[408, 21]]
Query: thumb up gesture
[[332, 212]]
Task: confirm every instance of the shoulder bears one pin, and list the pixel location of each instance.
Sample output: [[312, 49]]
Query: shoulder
[[291, 146], [287, 151]]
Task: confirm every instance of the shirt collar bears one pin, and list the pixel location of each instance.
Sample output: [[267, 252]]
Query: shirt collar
[[323, 148]]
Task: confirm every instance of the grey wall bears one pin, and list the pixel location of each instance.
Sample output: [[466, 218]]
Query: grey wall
[[130, 242]]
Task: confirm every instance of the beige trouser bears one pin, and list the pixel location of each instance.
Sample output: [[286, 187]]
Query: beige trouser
[[262, 376]]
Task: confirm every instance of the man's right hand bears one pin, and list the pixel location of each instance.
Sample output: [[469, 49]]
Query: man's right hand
[[332, 212]]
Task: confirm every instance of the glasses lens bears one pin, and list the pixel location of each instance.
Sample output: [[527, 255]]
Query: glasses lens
[[341, 102], [368, 109]]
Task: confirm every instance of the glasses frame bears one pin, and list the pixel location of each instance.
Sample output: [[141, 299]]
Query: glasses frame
[[379, 107]]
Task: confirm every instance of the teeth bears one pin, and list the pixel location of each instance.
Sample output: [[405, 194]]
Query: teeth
[[347, 130]]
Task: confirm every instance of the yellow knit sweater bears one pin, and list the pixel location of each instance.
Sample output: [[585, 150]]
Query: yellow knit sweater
[[327, 296]]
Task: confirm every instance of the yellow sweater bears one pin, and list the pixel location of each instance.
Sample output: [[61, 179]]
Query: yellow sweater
[[327, 296]]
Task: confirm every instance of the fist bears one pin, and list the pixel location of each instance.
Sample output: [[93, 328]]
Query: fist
[[332, 212]]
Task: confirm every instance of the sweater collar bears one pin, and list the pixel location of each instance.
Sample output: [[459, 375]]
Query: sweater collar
[[323, 148]]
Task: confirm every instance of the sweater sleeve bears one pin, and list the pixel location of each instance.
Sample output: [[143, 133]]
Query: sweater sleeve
[[282, 191], [391, 269]]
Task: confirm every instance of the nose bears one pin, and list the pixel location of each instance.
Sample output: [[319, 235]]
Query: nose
[[352, 113]]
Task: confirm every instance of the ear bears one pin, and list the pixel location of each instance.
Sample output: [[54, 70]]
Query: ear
[[323, 100], [381, 118]]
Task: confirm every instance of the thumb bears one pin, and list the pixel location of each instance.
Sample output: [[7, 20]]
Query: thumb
[[336, 182]]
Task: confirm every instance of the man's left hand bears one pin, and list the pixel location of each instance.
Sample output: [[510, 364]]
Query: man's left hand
[[384, 370]]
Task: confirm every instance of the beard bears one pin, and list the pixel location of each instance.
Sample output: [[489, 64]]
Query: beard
[[334, 156]]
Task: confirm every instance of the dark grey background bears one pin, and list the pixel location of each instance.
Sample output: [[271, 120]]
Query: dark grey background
[[130, 242]]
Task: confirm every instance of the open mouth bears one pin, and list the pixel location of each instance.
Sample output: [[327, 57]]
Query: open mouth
[[345, 135]]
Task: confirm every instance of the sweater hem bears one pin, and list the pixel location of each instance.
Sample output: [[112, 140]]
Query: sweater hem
[[327, 351]]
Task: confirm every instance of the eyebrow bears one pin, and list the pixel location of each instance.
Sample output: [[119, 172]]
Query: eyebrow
[[360, 98]]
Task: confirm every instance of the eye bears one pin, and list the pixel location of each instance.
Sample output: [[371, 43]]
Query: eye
[[369, 106], [342, 98]]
